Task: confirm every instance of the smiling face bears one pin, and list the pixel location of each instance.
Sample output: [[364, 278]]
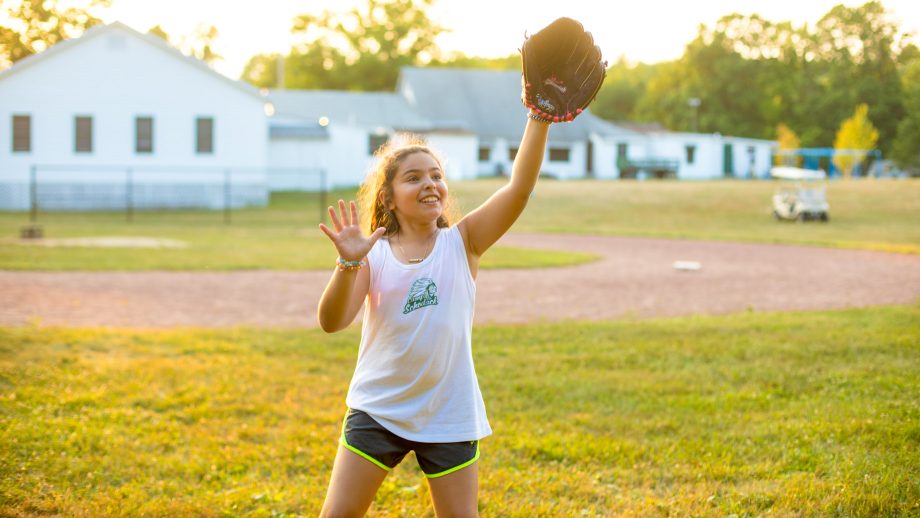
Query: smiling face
[[419, 190]]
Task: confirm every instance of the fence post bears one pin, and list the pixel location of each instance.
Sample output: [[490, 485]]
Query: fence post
[[129, 195], [322, 195], [32, 230], [226, 196], [33, 194]]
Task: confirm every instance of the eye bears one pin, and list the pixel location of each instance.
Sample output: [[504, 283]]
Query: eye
[[412, 178]]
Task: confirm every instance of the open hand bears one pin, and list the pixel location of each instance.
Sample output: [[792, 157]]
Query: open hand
[[347, 237]]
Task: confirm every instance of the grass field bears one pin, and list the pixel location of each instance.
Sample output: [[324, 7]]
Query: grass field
[[283, 236], [787, 414], [878, 215], [868, 214]]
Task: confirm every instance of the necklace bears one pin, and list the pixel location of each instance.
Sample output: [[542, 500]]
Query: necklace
[[420, 259]]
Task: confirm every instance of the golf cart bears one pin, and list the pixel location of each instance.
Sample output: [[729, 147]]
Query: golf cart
[[802, 196]]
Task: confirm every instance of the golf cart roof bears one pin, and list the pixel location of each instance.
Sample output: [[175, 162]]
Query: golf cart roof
[[797, 173]]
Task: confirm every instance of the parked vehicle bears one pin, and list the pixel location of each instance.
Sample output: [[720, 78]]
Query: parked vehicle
[[802, 196]]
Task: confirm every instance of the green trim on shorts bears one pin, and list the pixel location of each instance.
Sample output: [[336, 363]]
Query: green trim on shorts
[[456, 468], [344, 442]]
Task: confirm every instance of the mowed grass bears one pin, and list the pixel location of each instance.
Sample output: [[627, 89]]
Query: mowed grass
[[868, 214], [283, 236], [788, 414]]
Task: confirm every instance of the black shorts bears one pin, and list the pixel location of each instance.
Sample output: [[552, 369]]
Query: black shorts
[[369, 439]]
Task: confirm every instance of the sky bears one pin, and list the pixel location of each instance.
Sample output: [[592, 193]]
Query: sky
[[647, 31]]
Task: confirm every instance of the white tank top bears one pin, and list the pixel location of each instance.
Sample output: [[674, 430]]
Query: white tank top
[[415, 373]]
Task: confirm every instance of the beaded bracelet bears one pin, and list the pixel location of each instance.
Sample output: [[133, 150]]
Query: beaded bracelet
[[349, 266], [536, 117]]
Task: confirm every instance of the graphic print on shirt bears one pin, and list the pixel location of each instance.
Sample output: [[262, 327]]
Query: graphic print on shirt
[[423, 292]]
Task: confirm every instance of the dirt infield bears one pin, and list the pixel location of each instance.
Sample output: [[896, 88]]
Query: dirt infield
[[635, 278]]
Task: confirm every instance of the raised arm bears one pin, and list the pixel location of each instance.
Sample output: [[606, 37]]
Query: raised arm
[[347, 288], [489, 222], [563, 71]]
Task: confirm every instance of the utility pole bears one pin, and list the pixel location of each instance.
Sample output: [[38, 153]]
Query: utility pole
[[694, 103]]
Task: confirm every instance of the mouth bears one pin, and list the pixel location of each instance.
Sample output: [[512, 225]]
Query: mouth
[[430, 200]]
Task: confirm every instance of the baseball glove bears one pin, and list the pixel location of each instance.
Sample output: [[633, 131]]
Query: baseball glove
[[563, 71]]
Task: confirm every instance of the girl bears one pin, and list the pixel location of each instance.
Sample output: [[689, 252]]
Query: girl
[[414, 386]]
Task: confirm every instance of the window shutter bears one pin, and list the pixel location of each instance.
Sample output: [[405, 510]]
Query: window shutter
[[84, 134], [374, 142], [204, 129], [559, 154], [143, 130], [22, 133]]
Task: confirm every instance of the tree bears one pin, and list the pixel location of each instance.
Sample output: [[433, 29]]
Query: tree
[[787, 140], [202, 44], [623, 87], [751, 74], [35, 25], [199, 45], [159, 32], [262, 71], [855, 55], [733, 69], [856, 137], [665, 97], [362, 49], [906, 147], [460, 60]]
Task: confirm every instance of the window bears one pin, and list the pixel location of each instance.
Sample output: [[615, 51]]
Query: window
[[374, 142], [484, 153], [559, 154], [691, 154], [204, 134], [621, 151], [83, 133], [143, 135], [22, 133], [512, 152]]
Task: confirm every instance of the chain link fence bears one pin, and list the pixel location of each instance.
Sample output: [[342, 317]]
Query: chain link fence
[[136, 188]]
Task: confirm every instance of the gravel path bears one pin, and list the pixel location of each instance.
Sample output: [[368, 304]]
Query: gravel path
[[634, 278]]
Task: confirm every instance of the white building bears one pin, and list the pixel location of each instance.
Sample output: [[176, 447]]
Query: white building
[[474, 119], [117, 117], [589, 147], [660, 153], [339, 132]]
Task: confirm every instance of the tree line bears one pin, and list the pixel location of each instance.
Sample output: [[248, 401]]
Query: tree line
[[744, 75], [751, 76]]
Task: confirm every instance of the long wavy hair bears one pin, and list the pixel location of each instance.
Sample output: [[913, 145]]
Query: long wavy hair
[[376, 193]]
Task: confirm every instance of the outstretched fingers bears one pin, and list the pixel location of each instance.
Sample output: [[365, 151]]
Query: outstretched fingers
[[342, 219], [342, 214], [336, 224], [328, 232]]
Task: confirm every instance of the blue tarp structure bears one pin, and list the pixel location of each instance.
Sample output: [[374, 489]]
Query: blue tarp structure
[[822, 158]]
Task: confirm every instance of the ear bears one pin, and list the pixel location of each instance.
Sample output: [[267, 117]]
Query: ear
[[384, 202]]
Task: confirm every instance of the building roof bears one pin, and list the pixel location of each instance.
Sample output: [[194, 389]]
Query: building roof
[[487, 102], [155, 41], [368, 109], [300, 130]]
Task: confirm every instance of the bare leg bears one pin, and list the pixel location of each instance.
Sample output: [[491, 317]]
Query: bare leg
[[457, 494], [353, 484]]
